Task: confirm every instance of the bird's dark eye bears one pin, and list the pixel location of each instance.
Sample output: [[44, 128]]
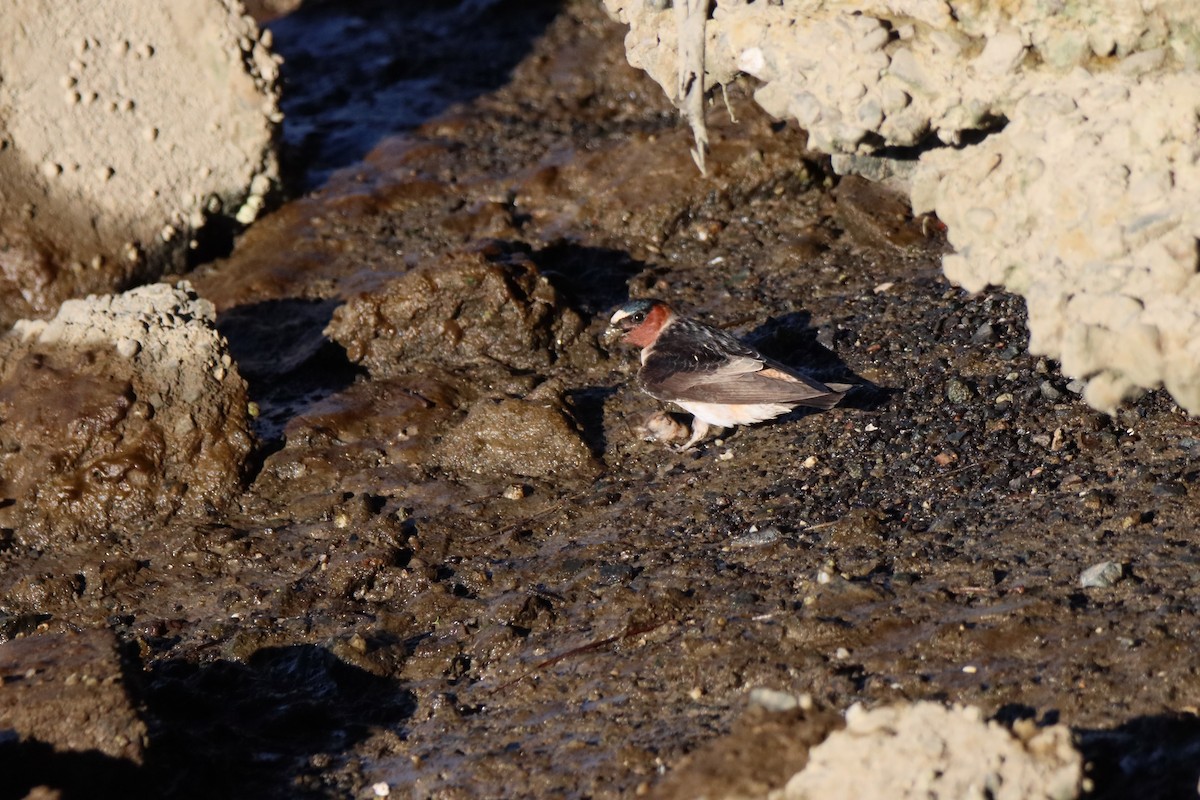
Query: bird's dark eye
[[639, 317]]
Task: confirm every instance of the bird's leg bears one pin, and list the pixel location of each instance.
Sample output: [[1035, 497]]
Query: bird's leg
[[699, 431]]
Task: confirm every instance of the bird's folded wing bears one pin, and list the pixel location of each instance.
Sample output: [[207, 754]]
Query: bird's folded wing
[[739, 380]]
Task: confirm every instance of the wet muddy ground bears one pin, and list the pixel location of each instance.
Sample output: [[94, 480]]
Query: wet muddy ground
[[460, 569]]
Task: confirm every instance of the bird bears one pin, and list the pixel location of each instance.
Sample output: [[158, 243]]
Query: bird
[[717, 378]]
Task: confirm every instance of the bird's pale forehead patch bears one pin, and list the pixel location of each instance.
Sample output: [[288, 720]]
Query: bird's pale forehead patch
[[619, 315]]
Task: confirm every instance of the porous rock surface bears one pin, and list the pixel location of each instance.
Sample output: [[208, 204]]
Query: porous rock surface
[[149, 416], [489, 324], [1084, 202], [126, 128], [482, 310], [926, 750], [514, 436]]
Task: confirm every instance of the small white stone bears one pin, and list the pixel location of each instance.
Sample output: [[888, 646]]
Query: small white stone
[[981, 220], [1002, 53], [752, 61], [128, 348], [853, 90], [894, 99], [806, 109], [875, 38], [870, 114]]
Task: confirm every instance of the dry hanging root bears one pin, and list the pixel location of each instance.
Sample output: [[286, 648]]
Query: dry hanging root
[[690, 18]]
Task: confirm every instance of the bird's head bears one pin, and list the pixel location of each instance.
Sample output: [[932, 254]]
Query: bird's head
[[638, 322]]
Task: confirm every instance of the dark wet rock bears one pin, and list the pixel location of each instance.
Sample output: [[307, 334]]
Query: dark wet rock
[[1049, 391], [68, 691], [522, 437], [478, 311], [878, 214], [1102, 575], [984, 334], [1170, 489], [122, 410]]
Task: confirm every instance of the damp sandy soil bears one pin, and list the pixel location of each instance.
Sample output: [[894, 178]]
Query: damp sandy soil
[[458, 567]]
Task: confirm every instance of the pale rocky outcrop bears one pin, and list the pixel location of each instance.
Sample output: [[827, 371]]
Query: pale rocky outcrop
[[1081, 195], [127, 128]]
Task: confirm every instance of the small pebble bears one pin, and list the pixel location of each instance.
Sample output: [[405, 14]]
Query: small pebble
[[773, 699], [514, 491], [755, 537], [128, 348], [1049, 392], [958, 392], [1169, 489], [1102, 575], [984, 334]]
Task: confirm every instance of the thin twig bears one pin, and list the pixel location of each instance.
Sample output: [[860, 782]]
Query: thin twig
[[555, 506], [575, 651]]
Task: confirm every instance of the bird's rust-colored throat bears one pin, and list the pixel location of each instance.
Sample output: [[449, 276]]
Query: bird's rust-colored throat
[[647, 332]]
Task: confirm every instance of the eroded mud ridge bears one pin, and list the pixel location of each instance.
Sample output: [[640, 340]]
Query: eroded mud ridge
[[451, 565]]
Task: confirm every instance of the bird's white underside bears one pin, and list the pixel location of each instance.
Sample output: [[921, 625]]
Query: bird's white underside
[[728, 415]]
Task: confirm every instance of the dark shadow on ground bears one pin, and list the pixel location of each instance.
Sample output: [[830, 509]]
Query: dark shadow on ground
[[356, 72], [82, 775], [790, 340], [281, 350], [587, 407], [594, 279], [1148, 758], [265, 728], [253, 728]]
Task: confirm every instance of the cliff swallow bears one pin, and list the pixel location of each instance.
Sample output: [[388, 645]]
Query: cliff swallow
[[718, 379]]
